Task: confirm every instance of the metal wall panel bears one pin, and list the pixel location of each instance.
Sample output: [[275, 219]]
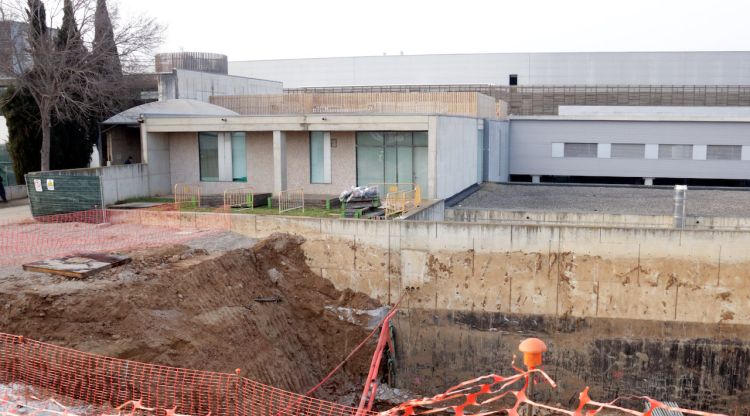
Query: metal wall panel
[[596, 68], [532, 141]]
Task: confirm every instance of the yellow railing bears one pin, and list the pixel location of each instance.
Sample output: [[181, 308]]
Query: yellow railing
[[187, 195], [243, 198], [291, 199], [387, 188], [399, 202]]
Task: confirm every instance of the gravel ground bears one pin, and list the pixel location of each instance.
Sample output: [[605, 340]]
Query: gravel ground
[[615, 200]]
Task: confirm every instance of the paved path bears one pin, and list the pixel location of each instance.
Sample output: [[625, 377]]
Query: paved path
[[608, 199], [15, 210]]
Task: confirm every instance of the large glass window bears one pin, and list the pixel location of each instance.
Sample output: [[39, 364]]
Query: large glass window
[[239, 157], [676, 151], [208, 154], [320, 157], [222, 157], [392, 157]]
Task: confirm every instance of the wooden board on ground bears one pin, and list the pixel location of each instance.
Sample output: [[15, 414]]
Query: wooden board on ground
[[79, 266], [137, 205]]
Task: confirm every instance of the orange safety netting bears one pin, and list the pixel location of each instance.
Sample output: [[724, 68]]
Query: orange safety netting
[[101, 231], [494, 394], [57, 380]]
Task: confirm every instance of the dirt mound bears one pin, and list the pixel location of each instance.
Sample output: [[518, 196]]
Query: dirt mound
[[259, 309]]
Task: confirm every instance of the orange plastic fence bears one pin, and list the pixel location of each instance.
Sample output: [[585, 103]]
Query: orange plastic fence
[[489, 395], [101, 230], [74, 382]]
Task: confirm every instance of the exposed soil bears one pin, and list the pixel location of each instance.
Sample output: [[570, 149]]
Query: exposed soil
[[259, 309]]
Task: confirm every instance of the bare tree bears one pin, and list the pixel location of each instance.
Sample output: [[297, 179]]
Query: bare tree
[[80, 76]]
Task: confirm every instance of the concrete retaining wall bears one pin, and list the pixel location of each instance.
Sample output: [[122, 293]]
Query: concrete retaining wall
[[592, 219], [123, 182], [15, 192], [653, 311], [629, 273], [429, 211]]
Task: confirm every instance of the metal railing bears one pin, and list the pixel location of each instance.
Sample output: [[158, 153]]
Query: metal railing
[[291, 199], [242, 198], [400, 198], [187, 195]]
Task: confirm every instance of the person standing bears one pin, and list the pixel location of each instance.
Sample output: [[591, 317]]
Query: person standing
[[2, 189]]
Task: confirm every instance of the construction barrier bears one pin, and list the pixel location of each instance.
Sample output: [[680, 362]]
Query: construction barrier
[[42, 379], [101, 231], [239, 198], [291, 199], [492, 394], [187, 196], [89, 384], [399, 197]]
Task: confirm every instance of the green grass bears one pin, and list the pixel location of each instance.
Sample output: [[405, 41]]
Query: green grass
[[264, 210], [309, 212]]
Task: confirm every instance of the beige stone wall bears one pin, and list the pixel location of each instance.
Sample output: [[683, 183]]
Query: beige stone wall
[[183, 156], [260, 161], [343, 163]]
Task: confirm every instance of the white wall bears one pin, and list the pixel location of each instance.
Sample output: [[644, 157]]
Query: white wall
[[123, 182], [157, 157], [595, 68], [456, 154], [3, 131]]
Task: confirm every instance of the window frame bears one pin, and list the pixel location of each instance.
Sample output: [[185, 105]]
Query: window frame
[[594, 155], [326, 163], [612, 152], [218, 159], [708, 151]]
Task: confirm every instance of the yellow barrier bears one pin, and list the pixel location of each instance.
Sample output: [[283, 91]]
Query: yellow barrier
[[239, 198], [401, 202], [187, 195]]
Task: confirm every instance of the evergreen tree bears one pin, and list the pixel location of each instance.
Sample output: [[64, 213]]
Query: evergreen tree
[[69, 35], [104, 46], [24, 137]]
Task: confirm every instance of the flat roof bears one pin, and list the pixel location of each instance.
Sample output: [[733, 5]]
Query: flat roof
[[602, 199], [637, 117]]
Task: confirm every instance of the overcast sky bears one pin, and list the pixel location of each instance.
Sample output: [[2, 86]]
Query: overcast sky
[[271, 29]]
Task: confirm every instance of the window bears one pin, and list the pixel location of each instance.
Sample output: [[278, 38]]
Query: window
[[320, 157], [222, 157], [208, 154], [239, 157], [628, 151], [580, 150], [676, 151], [722, 152], [392, 157], [513, 79]]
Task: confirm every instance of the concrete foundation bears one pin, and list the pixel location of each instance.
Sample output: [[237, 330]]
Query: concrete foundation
[[657, 311]]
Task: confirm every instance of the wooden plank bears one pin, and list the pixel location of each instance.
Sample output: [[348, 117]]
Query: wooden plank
[[78, 266]]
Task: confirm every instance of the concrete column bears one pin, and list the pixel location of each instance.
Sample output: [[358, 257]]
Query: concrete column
[[279, 161], [536, 179], [648, 181], [432, 168]]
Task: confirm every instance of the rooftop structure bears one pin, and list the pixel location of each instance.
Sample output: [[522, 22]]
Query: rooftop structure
[[503, 69]]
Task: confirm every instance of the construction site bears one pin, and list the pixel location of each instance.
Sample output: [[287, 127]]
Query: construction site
[[182, 308], [392, 250]]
